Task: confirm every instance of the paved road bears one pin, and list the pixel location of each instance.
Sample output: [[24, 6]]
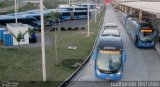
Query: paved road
[[141, 64]]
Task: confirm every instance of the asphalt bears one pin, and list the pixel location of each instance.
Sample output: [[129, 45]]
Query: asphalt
[[141, 64]]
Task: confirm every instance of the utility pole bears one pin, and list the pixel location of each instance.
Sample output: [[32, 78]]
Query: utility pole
[[57, 27], [16, 11], [95, 11], [42, 42], [69, 2], [88, 34]]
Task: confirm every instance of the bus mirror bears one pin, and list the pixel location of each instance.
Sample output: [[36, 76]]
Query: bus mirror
[[155, 33], [93, 55]]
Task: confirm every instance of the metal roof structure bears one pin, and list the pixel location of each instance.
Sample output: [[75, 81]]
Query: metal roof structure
[[150, 7]]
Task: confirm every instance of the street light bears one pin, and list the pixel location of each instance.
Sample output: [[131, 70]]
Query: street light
[[42, 42], [69, 2], [95, 11], [88, 34], [16, 11]]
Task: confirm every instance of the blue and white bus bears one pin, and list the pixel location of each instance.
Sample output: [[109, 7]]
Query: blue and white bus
[[91, 5], [73, 8], [78, 14], [36, 14], [66, 15], [109, 58], [123, 17], [4, 19], [141, 32]]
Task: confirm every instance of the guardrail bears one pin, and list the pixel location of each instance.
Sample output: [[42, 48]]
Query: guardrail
[[68, 80]]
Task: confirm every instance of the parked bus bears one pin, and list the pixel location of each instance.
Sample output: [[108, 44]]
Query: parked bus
[[36, 14], [123, 17], [91, 5], [78, 14], [109, 58], [4, 19], [66, 15], [141, 32], [74, 8]]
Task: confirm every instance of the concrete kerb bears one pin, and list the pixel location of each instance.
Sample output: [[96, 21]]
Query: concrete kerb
[[157, 48], [68, 80]]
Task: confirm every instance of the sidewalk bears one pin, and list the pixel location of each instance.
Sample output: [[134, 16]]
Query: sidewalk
[[157, 48]]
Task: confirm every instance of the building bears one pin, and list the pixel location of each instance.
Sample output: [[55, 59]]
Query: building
[[15, 29]]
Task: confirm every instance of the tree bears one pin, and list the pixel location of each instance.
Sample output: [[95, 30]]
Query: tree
[[54, 16], [18, 38]]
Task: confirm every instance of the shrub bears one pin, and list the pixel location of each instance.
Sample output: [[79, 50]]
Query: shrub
[[76, 28], [82, 28], [69, 28], [63, 28]]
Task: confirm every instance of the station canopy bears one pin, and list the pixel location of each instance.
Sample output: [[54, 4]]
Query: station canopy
[[150, 7]]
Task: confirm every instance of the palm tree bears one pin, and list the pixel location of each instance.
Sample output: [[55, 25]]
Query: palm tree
[[18, 38]]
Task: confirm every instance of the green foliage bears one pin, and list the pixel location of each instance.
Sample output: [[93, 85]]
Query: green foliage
[[6, 4], [28, 6], [19, 36], [53, 16], [11, 11], [53, 3]]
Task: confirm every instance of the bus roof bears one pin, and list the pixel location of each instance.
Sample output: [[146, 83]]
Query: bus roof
[[111, 32], [139, 22], [84, 3], [70, 7], [6, 17], [111, 24], [110, 43]]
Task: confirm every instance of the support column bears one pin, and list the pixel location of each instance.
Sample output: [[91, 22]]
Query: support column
[[131, 11], [125, 9], [140, 14]]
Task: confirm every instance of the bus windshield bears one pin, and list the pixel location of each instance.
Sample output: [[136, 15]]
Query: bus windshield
[[109, 61], [146, 35]]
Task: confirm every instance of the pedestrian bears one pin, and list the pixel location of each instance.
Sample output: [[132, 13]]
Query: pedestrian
[[34, 37], [30, 39]]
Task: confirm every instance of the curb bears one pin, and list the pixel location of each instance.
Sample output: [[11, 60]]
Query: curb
[[157, 48]]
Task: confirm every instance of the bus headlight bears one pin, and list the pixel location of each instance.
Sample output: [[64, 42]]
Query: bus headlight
[[119, 73], [98, 72]]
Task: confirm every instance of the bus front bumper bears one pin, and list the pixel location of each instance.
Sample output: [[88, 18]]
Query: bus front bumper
[[104, 76], [141, 44]]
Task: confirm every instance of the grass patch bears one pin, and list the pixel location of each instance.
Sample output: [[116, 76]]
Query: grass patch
[[71, 63], [27, 67]]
